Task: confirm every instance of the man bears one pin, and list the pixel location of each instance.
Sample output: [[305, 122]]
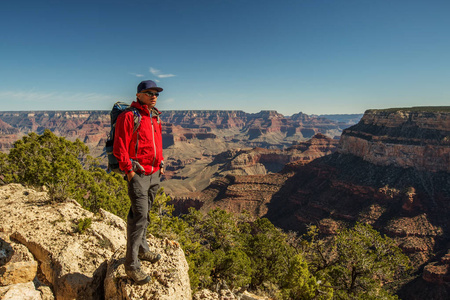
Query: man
[[139, 153]]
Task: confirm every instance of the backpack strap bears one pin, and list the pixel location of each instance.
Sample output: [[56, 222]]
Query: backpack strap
[[137, 123], [155, 112], [136, 116]]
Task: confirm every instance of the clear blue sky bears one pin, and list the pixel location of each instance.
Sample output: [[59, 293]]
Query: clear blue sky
[[311, 56]]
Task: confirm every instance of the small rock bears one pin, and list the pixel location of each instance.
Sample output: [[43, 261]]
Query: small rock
[[23, 291]]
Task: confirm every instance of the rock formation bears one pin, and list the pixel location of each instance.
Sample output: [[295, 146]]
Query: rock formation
[[266, 128], [247, 179], [404, 138], [89, 127], [45, 256]]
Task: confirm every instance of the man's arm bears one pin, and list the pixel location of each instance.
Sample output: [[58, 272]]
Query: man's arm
[[122, 139]]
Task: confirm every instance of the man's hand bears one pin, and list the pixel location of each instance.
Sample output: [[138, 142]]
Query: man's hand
[[130, 175], [161, 172]]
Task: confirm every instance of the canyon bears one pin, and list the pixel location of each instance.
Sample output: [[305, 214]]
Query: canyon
[[191, 139], [388, 168], [391, 170]]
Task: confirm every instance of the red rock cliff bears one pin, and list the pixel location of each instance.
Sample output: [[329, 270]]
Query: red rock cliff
[[401, 137]]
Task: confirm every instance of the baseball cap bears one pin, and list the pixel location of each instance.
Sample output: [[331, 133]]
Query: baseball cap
[[148, 84]]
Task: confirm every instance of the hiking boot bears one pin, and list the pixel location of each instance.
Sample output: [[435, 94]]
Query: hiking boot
[[138, 276], [149, 256]]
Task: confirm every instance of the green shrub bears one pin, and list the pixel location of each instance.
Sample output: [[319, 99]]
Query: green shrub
[[67, 171], [83, 225]]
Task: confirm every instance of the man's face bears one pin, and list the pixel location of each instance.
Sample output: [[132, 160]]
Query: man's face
[[148, 97]]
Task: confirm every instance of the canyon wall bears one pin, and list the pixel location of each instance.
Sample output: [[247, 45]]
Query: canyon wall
[[263, 129], [404, 138], [90, 127]]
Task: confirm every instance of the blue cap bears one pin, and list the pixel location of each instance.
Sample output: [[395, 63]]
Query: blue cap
[[148, 84]]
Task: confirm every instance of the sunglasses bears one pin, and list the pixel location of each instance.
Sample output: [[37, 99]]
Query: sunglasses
[[151, 94]]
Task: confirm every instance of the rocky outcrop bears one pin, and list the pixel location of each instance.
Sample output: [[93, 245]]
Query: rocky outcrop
[[17, 264], [90, 127], [236, 191], [26, 290], [73, 263], [217, 119], [226, 294], [168, 275], [418, 138], [260, 161], [438, 272]]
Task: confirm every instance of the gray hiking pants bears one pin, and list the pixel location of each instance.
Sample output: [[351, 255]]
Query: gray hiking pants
[[142, 191]]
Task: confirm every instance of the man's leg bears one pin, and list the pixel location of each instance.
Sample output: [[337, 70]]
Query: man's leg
[[152, 190], [137, 219]]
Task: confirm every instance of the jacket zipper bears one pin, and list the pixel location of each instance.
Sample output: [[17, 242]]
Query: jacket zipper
[[153, 138]]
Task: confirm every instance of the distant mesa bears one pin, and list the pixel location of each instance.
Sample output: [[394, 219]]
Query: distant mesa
[[263, 129], [406, 138]]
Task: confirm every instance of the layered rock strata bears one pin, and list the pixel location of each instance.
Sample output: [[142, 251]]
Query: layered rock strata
[[401, 137], [252, 192], [266, 128]]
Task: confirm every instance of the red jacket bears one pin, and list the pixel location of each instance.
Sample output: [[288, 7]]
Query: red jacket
[[149, 148]]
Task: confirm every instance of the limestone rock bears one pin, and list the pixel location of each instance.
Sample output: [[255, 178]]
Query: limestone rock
[[46, 292], [18, 272], [17, 264], [404, 138], [226, 294], [249, 296], [223, 294], [22, 291], [75, 264], [170, 278], [206, 295]]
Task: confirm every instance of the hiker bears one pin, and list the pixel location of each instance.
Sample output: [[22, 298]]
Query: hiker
[[140, 156]]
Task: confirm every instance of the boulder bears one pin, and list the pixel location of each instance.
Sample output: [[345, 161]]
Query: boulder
[[170, 279], [17, 264], [226, 294], [23, 291]]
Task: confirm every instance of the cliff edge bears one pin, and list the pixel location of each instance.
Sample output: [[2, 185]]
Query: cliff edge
[[62, 251], [407, 137]]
